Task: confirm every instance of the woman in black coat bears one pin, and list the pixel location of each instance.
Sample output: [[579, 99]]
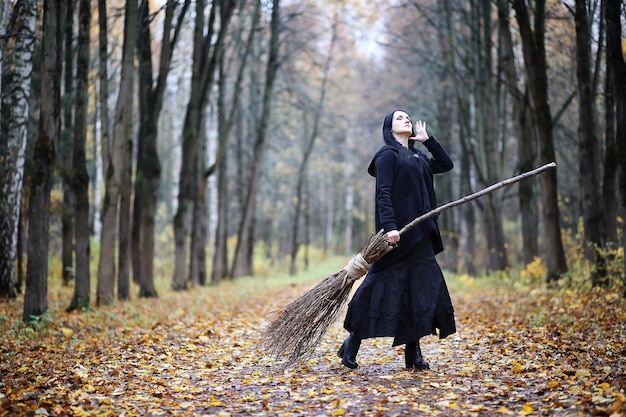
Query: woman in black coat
[[404, 294]]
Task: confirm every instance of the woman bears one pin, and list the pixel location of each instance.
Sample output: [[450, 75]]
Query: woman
[[404, 294]]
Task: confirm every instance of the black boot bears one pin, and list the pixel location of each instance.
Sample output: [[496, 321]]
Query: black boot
[[348, 351], [413, 357]]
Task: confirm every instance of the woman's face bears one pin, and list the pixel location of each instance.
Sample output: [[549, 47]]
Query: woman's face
[[401, 123]]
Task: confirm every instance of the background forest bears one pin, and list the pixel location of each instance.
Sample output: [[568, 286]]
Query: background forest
[[204, 141]]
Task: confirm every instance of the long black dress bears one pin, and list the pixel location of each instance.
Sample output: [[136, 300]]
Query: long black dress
[[404, 295]]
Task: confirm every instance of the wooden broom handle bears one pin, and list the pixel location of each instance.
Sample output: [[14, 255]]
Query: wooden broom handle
[[476, 195]]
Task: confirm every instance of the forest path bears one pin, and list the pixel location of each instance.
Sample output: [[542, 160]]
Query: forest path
[[518, 351]]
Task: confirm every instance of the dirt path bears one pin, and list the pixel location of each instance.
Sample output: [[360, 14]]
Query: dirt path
[[516, 353]]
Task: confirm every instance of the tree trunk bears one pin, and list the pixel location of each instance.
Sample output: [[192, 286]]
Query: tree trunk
[[615, 60], [65, 150], [220, 251], [589, 161], [80, 177], [536, 69], [467, 243], [317, 115], [225, 124], [148, 176], [103, 82], [610, 165], [113, 162], [35, 297], [241, 266], [125, 190], [14, 124], [198, 212], [525, 138], [488, 115], [207, 51], [449, 225]]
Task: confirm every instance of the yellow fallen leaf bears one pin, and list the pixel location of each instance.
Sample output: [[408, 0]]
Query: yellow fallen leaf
[[527, 409], [552, 384], [517, 369], [338, 412], [67, 332]]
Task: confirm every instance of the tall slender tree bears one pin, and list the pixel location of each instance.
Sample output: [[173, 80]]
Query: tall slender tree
[[487, 116], [242, 259], [14, 113], [103, 101], [617, 63], [208, 43], [112, 160], [589, 160], [148, 176], [79, 176], [35, 297], [525, 136], [536, 69], [308, 149], [65, 148], [226, 119]]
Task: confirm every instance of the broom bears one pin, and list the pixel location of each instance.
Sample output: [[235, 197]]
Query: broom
[[295, 329]]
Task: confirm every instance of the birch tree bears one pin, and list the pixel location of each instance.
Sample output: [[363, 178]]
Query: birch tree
[[14, 113]]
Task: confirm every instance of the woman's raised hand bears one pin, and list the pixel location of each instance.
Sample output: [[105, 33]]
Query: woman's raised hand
[[420, 132]]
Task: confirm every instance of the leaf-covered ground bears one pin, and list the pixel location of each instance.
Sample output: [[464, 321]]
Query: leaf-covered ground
[[518, 351]]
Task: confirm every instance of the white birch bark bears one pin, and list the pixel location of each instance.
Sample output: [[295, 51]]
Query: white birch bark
[[15, 96]]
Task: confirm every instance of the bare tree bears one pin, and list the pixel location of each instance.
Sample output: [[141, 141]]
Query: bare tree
[[103, 93], [35, 297], [148, 176], [79, 176], [208, 45], [64, 154], [302, 169], [225, 123], [112, 160], [525, 136], [617, 65], [489, 111], [610, 187], [242, 260], [468, 243], [589, 160], [536, 69], [14, 114]]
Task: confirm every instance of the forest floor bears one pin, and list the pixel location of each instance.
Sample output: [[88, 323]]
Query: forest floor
[[519, 350]]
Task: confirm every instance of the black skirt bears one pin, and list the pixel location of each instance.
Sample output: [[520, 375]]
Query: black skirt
[[406, 299]]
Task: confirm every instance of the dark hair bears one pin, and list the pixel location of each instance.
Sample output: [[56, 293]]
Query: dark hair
[[388, 136]]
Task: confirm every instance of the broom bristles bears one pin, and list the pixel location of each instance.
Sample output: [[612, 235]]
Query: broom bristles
[[297, 328]]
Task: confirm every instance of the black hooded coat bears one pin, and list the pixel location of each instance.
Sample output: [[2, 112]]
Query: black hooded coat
[[404, 294]]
